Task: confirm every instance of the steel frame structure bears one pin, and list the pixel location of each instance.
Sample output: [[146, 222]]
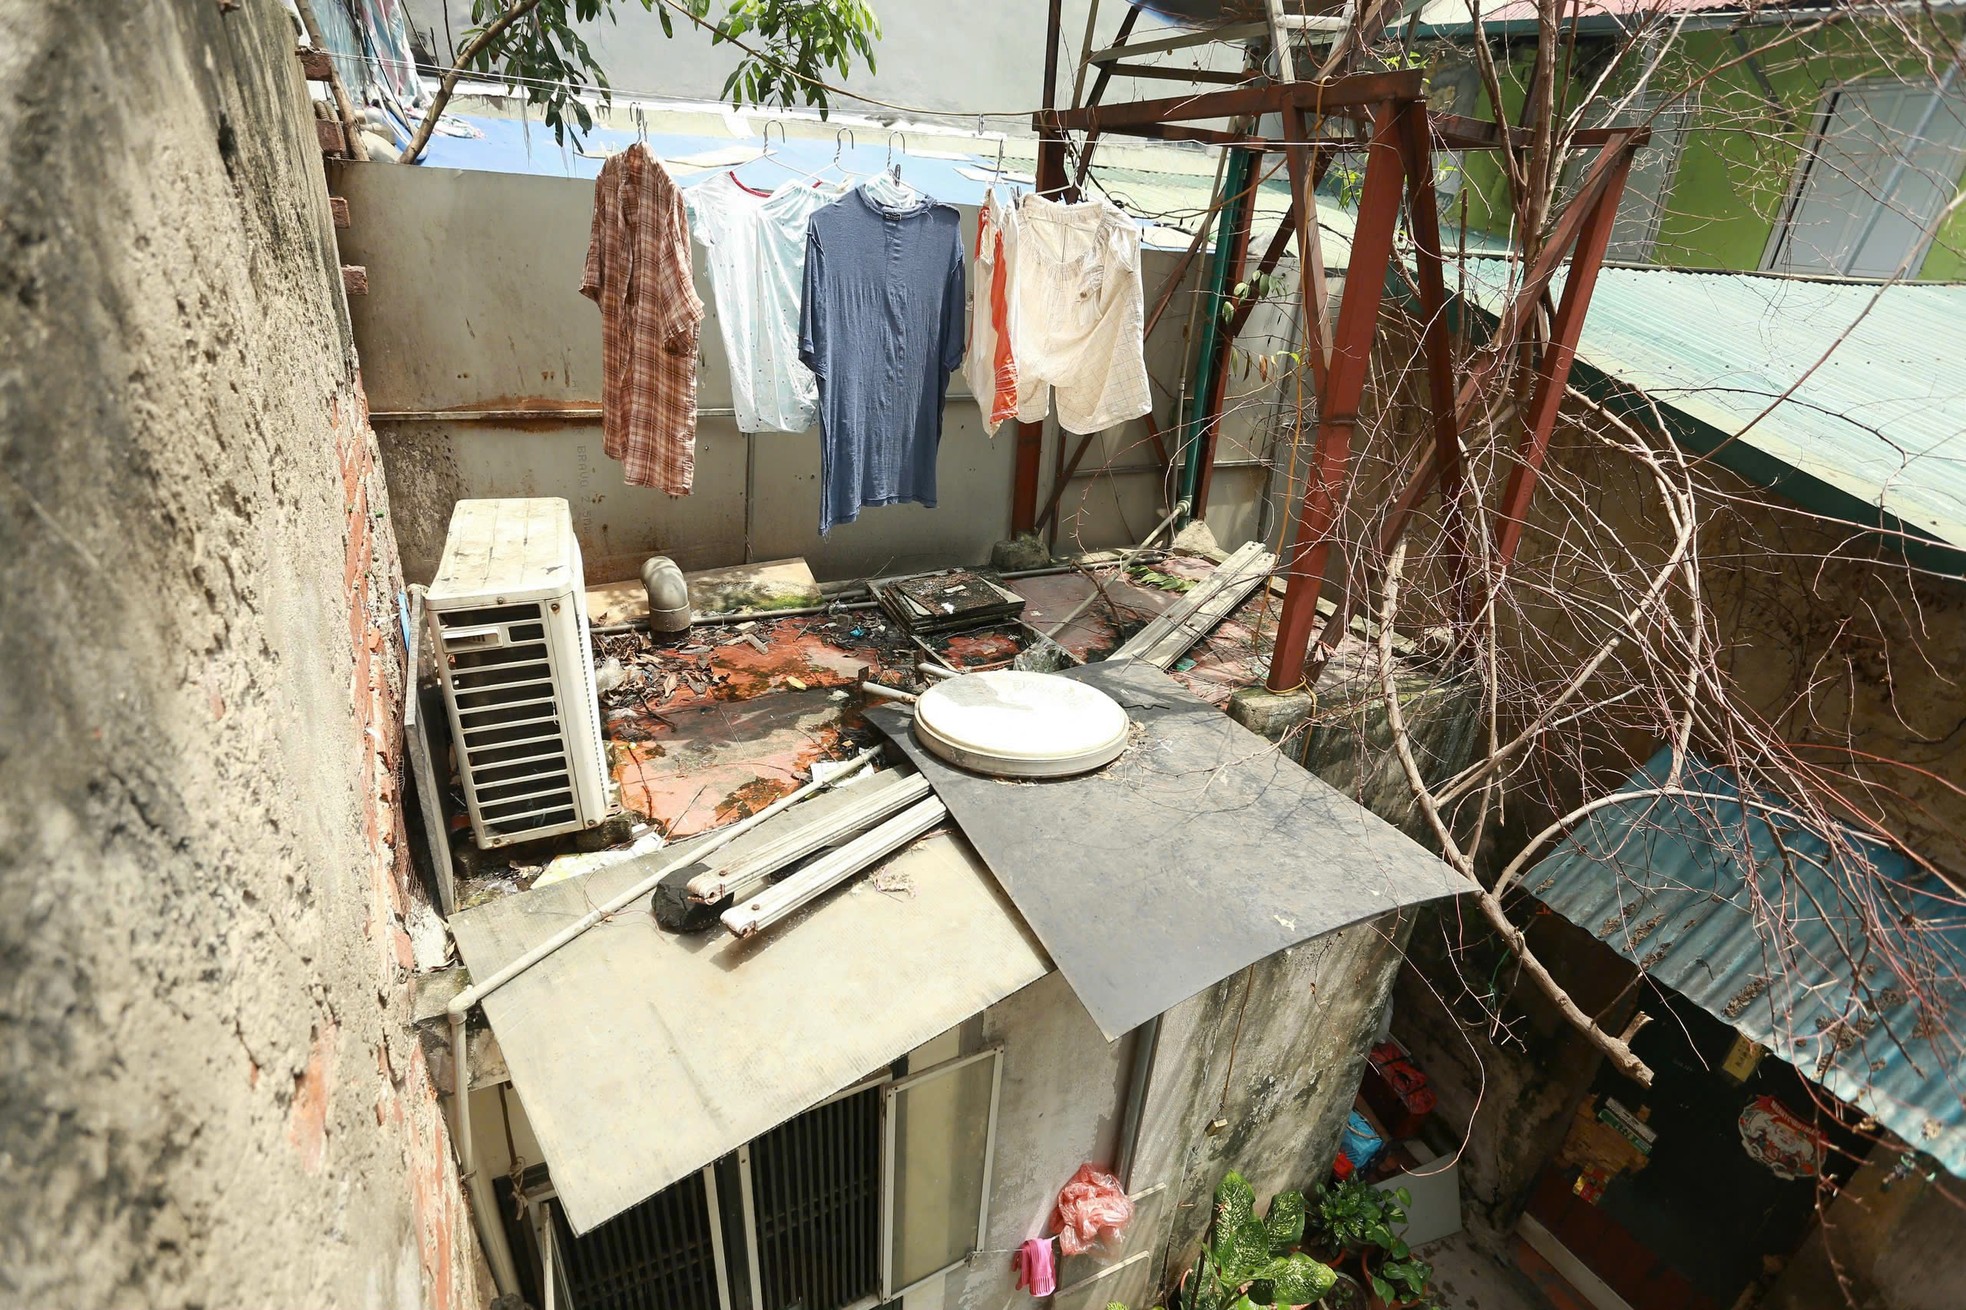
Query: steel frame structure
[[1386, 114]]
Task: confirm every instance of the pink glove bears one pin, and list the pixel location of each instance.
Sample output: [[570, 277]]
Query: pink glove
[[1036, 1271]]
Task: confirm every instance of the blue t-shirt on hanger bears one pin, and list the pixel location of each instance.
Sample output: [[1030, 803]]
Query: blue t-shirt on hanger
[[881, 323]]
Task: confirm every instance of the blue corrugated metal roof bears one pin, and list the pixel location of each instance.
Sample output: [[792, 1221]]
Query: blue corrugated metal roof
[[1850, 966], [1865, 381]]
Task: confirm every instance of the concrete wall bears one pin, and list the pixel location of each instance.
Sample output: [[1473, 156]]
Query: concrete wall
[[208, 1096], [962, 59], [473, 304], [1274, 1055]]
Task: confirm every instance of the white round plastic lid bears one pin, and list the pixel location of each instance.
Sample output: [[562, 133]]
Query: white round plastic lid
[[1020, 725]]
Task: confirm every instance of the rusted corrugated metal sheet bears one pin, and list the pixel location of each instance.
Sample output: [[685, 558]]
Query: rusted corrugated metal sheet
[[1850, 963]]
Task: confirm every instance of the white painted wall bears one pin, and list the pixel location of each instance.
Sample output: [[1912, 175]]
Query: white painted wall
[[945, 55]]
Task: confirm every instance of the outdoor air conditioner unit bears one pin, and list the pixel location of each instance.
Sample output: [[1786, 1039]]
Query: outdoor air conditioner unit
[[508, 618]]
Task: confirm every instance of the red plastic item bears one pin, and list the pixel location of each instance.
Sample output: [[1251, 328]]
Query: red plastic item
[[1091, 1207], [1397, 1091]]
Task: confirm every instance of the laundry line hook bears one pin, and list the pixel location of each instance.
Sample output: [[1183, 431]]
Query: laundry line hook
[[894, 169]]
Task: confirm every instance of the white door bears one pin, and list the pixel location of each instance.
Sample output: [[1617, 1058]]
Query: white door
[[1886, 161]]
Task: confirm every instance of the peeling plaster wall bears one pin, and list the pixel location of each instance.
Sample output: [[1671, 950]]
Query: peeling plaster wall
[[208, 1096], [1901, 1247], [1277, 1051]]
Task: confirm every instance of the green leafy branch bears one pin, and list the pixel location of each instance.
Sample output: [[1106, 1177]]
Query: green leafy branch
[[788, 47]]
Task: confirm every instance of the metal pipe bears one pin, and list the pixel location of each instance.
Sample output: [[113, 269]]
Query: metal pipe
[[1146, 1041], [491, 1233], [882, 692]]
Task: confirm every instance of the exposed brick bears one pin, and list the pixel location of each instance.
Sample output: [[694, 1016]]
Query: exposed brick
[[307, 1115], [355, 279], [315, 65], [338, 207], [334, 141]]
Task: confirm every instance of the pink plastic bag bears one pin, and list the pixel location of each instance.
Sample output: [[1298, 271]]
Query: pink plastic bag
[[1092, 1207]]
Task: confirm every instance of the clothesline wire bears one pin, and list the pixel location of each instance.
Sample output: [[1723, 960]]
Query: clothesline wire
[[659, 97]]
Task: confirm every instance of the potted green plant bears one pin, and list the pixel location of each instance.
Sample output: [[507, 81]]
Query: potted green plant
[[1351, 1218], [1247, 1261], [1399, 1281]]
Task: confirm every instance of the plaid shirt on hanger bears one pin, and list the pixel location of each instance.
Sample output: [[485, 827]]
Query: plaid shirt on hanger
[[638, 272]]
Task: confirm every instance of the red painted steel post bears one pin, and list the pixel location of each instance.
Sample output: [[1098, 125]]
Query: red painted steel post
[[1553, 369], [1358, 323]]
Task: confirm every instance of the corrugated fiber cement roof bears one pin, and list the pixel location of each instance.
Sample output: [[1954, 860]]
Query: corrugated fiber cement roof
[[1848, 967], [1861, 387]]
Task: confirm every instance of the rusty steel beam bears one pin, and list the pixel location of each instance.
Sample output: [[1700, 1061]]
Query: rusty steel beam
[[1553, 369], [1099, 83], [1029, 451], [1354, 92], [1338, 399], [1563, 238], [1459, 132]]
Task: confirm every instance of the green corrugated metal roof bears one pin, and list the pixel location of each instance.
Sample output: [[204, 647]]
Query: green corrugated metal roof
[[1880, 420]]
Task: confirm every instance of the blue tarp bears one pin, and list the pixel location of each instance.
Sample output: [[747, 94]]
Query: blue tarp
[[1844, 959]]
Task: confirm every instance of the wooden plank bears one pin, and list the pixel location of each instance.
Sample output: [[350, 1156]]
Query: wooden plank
[[1319, 97], [777, 584], [1169, 634], [1171, 73]]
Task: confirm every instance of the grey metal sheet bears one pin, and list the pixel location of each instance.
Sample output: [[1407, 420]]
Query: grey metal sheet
[[1198, 852], [641, 1056]]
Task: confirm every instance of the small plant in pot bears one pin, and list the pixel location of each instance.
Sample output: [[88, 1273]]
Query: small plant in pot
[[1248, 1261], [1352, 1224]]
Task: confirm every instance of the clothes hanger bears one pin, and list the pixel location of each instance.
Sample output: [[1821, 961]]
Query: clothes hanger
[[766, 156]]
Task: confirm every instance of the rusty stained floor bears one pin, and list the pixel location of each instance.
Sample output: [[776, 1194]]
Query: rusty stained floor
[[712, 727]]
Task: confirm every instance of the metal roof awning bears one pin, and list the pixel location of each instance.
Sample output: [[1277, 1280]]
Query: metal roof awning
[[640, 1055], [1830, 392], [1851, 967], [1200, 851]]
